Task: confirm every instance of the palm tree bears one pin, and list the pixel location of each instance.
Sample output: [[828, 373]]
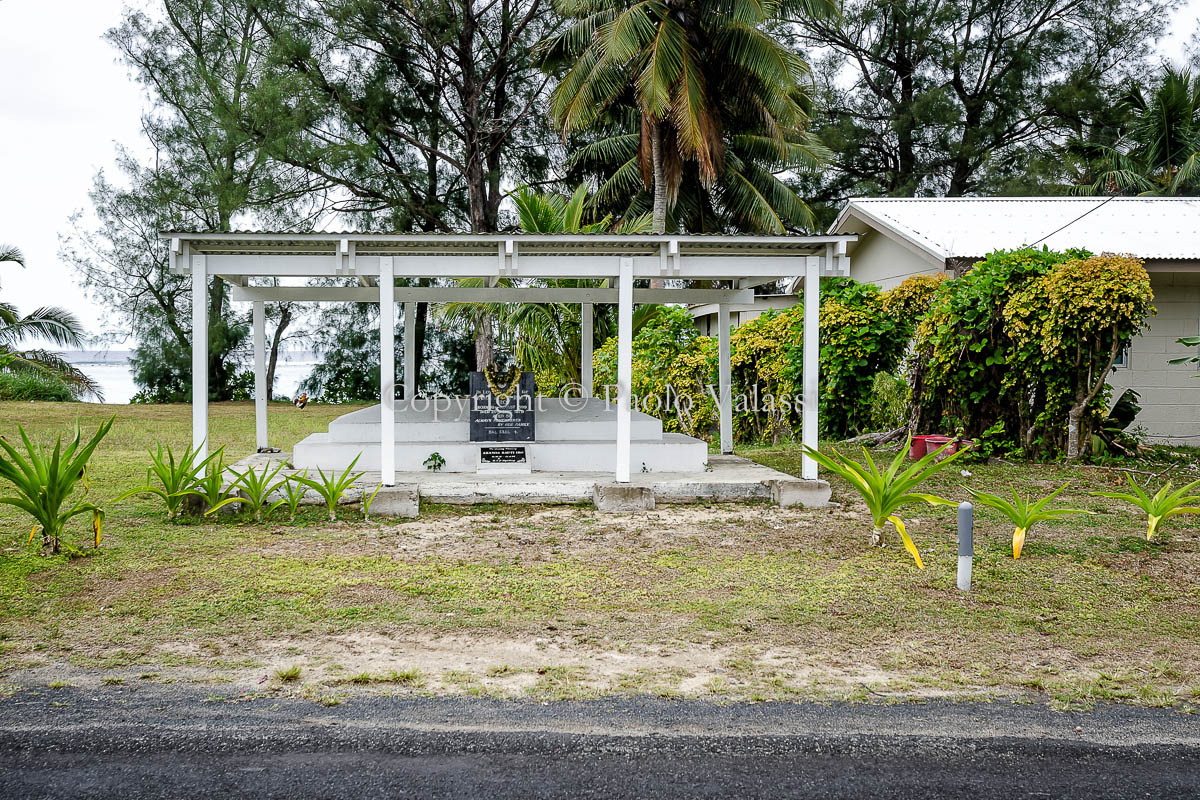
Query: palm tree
[[1159, 151], [547, 212], [50, 324], [749, 195], [546, 337], [697, 73]]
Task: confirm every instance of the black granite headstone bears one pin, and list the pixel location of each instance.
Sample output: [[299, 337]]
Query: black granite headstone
[[497, 419]]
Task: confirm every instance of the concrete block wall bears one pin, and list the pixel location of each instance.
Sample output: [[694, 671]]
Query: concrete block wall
[[1170, 393]]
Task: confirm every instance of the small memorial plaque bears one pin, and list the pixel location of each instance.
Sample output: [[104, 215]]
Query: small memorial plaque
[[513, 454], [507, 418]]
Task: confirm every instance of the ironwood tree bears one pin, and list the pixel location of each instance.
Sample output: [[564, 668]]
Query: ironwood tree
[[198, 61], [415, 111], [957, 97]]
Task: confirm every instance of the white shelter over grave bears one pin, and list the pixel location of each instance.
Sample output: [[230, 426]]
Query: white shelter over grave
[[588, 434]]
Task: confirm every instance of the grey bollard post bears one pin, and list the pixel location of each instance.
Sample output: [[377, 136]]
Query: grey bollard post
[[966, 544]]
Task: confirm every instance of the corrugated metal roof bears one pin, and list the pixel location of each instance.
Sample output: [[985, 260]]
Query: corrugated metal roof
[[495, 234], [954, 227], [415, 244]]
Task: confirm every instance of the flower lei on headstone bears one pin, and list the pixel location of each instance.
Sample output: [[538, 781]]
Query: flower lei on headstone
[[513, 379]]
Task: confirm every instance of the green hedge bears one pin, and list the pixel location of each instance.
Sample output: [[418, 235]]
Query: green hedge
[[863, 332], [1016, 351], [35, 386]]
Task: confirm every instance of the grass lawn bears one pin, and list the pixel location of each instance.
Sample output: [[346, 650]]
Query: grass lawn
[[728, 602]]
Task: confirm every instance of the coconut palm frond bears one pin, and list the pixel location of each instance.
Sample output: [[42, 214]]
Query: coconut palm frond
[[640, 223], [609, 150], [12, 254], [54, 325], [1160, 150], [747, 203], [49, 363], [763, 201]]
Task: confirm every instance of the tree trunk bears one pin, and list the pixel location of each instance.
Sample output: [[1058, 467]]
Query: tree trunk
[[1073, 418], [285, 319], [659, 217], [422, 321], [877, 538], [484, 343], [962, 180], [905, 180], [1085, 396]]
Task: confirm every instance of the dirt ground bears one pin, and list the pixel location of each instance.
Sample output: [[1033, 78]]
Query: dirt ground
[[725, 602]]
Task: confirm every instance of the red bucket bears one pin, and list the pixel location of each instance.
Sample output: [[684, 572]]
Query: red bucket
[[935, 443], [916, 448]]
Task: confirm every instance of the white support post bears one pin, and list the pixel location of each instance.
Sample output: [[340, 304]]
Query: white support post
[[410, 353], [812, 355], [200, 356], [585, 349], [724, 383], [260, 376], [624, 367], [387, 372]]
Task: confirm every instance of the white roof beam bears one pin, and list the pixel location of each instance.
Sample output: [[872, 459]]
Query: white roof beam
[[468, 294], [648, 244], [566, 265]]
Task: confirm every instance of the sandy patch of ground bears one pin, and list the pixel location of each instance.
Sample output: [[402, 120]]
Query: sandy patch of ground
[[543, 668]]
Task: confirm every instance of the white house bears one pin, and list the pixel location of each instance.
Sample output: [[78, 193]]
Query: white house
[[706, 315], [898, 238]]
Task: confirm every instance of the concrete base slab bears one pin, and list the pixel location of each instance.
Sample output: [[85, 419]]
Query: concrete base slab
[[810, 494], [622, 498], [401, 500], [727, 479]]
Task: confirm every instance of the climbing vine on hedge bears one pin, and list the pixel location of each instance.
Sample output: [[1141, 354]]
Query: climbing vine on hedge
[[1067, 328], [1014, 353], [673, 366], [909, 302], [858, 339], [675, 369]]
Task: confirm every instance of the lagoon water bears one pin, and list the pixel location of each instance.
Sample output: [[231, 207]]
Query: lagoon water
[[111, 370]]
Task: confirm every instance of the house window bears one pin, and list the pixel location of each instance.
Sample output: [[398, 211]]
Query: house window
[[1122, 359]]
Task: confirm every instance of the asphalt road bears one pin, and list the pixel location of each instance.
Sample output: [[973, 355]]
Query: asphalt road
[[162, 741]]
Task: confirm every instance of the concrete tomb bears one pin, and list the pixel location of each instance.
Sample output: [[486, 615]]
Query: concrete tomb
[[569, 435]]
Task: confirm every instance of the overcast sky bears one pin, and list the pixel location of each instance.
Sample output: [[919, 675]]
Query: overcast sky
[[65, 103]]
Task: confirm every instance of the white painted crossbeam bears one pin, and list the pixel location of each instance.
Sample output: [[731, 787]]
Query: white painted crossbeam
[[484, 294]]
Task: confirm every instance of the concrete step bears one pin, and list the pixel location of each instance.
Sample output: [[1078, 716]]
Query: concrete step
[[674, 452], [554, 420]]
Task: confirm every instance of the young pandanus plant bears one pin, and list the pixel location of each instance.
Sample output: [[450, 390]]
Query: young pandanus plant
[[1160, 506], [1023, 514], [887, 491], [255, 489], [176, 477], [293, 493], [211, 487], [44, 482], [331, 487]]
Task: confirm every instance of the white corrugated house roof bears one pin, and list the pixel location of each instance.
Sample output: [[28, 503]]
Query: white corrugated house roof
[[966, 227]]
